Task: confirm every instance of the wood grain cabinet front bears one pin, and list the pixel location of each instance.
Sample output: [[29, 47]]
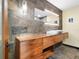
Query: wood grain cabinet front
[[58, 38], [40, 56], [29, 48], [52, 40], [47, 42]]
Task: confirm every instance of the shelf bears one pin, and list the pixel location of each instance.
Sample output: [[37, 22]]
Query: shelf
[[48, 53]]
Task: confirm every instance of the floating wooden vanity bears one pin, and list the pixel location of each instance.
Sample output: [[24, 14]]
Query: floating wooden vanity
[[31, 46]]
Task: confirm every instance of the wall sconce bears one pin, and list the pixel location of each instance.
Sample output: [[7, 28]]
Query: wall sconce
[[23, 9]]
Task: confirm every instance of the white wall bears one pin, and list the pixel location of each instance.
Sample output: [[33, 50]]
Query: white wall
[[72, 28]]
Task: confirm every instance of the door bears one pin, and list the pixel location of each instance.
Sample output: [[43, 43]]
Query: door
[[1, 45], [5, 29]]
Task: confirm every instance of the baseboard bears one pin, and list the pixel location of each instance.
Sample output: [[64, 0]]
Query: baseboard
[[71, 46]]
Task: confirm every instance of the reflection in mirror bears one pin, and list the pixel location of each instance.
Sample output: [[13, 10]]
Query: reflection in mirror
[[1, 47], [50, 19]]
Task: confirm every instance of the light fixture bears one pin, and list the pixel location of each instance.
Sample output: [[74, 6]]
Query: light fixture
[[51, 12], [23, 9]]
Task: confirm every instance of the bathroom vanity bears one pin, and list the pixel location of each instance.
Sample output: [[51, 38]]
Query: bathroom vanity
[[32, 46]]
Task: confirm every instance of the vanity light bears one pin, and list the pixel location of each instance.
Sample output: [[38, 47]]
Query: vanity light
[[23, 9], [51, 24], [51, 12]]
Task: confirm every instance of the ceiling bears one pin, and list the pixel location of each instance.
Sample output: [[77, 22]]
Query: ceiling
[[64, 4]]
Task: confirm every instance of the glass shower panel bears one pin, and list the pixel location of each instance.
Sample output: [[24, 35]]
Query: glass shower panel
[[1, 52], [20, 13]]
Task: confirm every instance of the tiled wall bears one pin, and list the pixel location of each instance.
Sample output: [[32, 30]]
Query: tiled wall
[[26, 23]]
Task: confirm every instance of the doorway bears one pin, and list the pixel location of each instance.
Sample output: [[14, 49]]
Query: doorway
[[1, 42]]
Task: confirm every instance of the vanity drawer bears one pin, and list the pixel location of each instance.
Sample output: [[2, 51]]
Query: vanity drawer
[[32, 43], [36, 41], [48, 41], [30, 48], [58, 38], [31, 52]]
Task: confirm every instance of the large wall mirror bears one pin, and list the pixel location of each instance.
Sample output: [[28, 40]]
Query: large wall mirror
[[50, 19]]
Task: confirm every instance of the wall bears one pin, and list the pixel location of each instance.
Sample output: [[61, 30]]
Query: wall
[[20, 23], [16, 19], [72, 28]]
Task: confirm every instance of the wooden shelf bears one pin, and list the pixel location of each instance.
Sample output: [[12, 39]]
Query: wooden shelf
[[48, 53]]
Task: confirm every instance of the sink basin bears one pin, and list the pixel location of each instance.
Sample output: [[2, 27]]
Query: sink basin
[[54, 32]]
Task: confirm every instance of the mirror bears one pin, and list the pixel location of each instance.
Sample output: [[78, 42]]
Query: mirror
[[50, 19]]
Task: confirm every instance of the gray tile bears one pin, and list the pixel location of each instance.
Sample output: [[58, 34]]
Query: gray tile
[[65, 52]]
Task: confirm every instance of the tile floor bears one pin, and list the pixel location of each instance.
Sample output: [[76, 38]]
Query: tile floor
[[65, 52]]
